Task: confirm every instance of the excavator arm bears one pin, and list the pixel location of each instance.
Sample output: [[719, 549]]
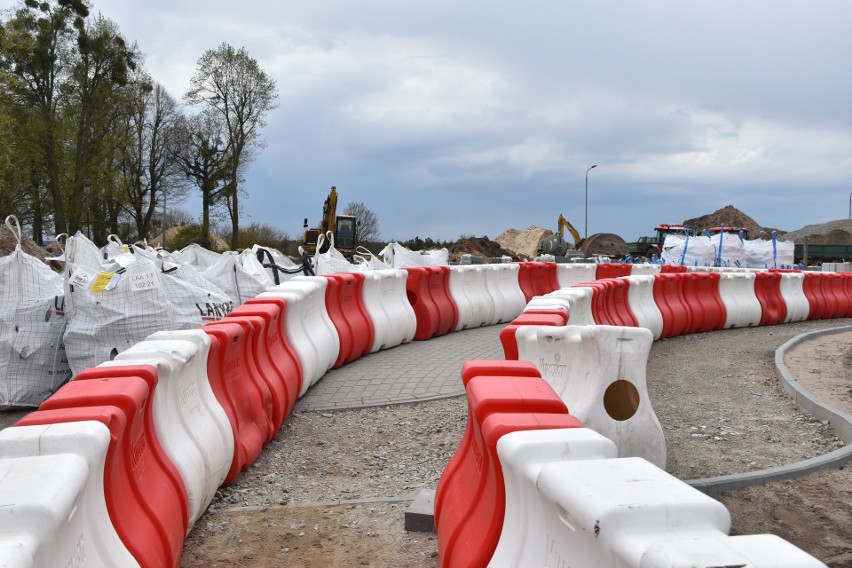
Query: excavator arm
[[565, 224]]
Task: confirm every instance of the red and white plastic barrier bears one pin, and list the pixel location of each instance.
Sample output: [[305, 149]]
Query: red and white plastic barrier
[[640, 297], [191, 425], [54, 508], [600, 373], [309, 328], [741, 304], [428, 289], [794, 296], [145, 496]]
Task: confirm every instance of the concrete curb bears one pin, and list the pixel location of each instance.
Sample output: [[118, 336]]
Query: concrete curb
[[841, 422]]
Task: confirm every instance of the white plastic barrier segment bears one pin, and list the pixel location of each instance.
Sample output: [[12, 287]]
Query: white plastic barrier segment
[[608, 512], [501, 283], [52, 506], [640, 298], [386, 302], [467, 288], [548, 303], [569, 274], [741, 304], [192, 426], [308, 326], [523, 540], [643, 269], [792, 292], [580, 300], [754, 551], [599, 371]]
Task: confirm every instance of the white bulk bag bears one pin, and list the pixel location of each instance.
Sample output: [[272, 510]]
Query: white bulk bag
[[110, 306], [398, 256], [32, 354], [688, 250]]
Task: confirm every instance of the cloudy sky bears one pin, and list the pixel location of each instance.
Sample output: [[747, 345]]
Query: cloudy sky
[[453, 117]]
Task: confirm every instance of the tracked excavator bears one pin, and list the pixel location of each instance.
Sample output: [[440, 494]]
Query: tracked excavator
[[341, 227], [598, 244]]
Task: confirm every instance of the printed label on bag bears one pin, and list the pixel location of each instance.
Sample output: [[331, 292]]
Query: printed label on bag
[[82, 279], [144, 281], [105, 281]]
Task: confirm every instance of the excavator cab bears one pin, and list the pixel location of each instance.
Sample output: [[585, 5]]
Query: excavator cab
[[342, 227]]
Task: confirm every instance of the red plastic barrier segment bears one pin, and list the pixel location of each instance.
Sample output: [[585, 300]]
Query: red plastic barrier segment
[[767, 288], [612, 270], [507, 334], [483, 368], [669, 297], [281, 355], [537, 278], [234, 383], [145, 496], [469, 531], [497, 368], [448, 310], [814, 288], [846, 283], [487, 395], [701, 292], [354, 313], [672, 268], [836, 294], [610, 304], [419, 292], [271, 381], [335, 313]]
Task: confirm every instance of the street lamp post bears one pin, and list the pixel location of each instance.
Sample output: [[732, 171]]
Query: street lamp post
[[586, 224], [850, 205]]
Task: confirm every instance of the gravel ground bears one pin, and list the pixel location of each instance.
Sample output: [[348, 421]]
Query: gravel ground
[[333, 486]]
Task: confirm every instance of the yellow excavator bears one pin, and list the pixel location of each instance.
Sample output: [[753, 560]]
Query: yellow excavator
[[341, 227], [599, 244]]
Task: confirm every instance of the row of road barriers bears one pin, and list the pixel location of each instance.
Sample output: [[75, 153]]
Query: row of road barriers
[[532, 485], [143, 442]]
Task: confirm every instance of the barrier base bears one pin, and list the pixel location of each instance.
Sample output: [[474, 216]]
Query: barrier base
[[420, 516]]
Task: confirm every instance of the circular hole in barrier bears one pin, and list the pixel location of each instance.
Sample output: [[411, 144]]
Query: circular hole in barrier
[[621, 400]]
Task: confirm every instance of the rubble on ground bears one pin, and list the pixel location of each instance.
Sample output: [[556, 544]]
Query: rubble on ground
[[837, 232], [730, 216], [477, 246]]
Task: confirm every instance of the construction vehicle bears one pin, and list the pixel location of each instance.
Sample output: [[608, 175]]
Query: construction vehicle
[[341, 229], [599, 244], [650, 247]]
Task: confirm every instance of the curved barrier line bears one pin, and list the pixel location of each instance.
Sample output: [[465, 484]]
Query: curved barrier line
[[827, 296]]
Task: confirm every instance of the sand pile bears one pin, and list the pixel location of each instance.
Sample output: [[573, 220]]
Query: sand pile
[[837, 232], [729, 216], [477, 246], [523, 244]]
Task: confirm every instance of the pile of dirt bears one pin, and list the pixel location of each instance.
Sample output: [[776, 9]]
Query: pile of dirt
[[729, 216], [477, 246], [523, 244], [8, 242], [837, 232]]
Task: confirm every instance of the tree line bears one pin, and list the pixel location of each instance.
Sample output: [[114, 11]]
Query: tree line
[[89, 141]]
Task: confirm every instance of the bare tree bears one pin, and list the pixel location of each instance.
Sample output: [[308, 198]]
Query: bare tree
[[367, 226], [232, 85]]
